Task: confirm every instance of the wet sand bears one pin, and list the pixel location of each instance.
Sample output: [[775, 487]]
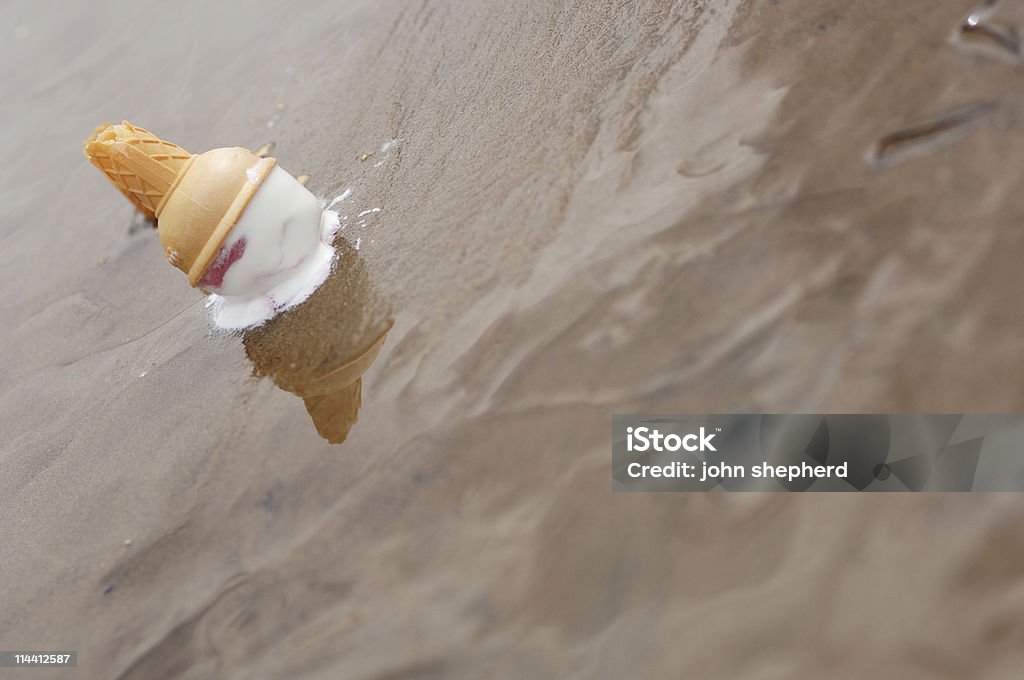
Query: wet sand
[[585, 208]]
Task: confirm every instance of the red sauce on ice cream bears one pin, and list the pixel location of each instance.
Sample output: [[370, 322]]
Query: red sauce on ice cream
[[214, 276]]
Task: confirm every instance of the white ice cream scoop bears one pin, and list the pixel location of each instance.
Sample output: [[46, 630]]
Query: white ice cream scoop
[[238, 225]]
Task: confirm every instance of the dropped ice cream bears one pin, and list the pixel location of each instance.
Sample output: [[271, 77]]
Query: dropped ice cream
[[238, 225], [272, 262]]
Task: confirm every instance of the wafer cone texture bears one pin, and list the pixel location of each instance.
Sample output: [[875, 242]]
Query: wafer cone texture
[[140, 164], [196, 199]]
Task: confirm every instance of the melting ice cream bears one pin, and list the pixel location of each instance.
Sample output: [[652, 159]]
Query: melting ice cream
[[240, 227], [276, 255]]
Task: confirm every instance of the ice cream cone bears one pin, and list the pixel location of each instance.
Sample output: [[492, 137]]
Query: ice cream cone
[[140, 164], [196, 199]]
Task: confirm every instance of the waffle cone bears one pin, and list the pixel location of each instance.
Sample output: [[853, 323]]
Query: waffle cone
[[196, 199], [140, 164]]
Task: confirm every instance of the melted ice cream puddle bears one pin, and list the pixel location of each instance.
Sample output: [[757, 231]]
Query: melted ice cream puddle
[[276, 255]]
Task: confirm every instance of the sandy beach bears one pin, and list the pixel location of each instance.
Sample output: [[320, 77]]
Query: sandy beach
[[553, 212]]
